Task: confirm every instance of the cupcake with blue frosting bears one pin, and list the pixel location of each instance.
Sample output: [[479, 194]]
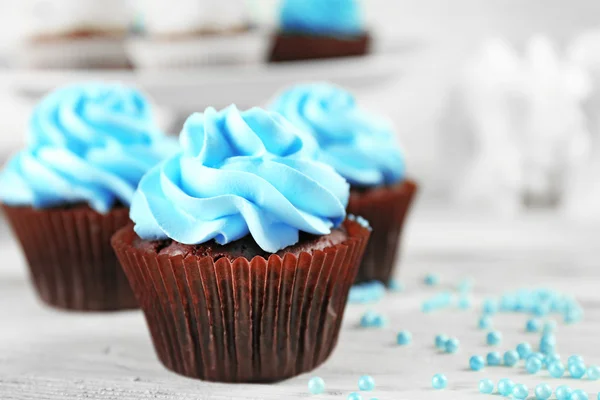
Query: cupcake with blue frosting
[[70, 190], [363, 148], [316, 29], [241, 255]]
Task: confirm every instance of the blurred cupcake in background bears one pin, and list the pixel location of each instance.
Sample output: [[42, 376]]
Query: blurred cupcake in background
[[69, 191], [313, 29], [188, 33], [74, 34], [363, 149]]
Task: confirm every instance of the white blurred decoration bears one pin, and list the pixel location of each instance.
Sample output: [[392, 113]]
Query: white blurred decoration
[[522, 125]]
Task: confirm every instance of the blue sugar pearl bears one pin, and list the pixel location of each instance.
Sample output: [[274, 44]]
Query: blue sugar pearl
[[505, 387], [490, 306], [476, 363], [464, 302], [431, 279], [579, 395], [366, 383], [549, 326], [533, 365], [556, 369], [493, 359], [316, 385], [354, 396], [439, 381], [486, 386], [577, 370], [547, 348], [593, 373], [396, 286], [524, 350], [451, 345], [379, 322], [368, 319], [539, 356], [404, 338], [440, 341], [541, 309], [485, 322], [551, 358], [494, 338], [533, 325], [543, 391], [511, 358], [575, 359], [563, 392], [520, 392]]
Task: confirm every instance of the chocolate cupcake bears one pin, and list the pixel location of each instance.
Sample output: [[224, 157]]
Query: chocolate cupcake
[[69, 191], [317, 29], [240, 256], [362, 148]]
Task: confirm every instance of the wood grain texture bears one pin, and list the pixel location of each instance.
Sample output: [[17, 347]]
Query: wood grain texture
[[51, 355]]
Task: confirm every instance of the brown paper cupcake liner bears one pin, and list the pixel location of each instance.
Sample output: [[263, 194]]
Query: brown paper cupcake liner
[[71, 261], [243, 321], [385, 209], [297, 47]]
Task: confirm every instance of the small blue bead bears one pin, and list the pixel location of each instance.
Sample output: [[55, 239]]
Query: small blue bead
[[533, 365], [484, 322], [451, 345], [551, 358], [464, 302], [490, 306], [493, 359], [476, 363], [547, 348], [366, 383], [563, 392], [486, 386], [494, 338], [577, 370], [533, 325], [440, 341], [396, 286], [593, 373], [404, 338], [543, 391], [541, 309], [368, 319], [431, 279], [439, 381], [380, 321], [520, 391], [549, 326], [505, 387], [524, 350], [354, 396], [556, 369], [316, 385], [511, 358], [575, 359], [579, 395]]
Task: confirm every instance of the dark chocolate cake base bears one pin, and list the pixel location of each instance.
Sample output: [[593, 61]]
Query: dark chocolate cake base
[[297, 47], [219, 316]]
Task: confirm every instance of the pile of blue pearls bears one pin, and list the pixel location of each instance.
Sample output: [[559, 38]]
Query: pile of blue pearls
[[372, 319]]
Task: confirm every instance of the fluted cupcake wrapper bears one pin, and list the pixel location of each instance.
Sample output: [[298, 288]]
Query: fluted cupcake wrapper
[[71, 261], [243, 321], [386, 210]]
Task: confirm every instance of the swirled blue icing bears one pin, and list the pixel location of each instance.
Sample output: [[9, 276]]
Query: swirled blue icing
[[87, 143], [361, 147], [324, 17], [240, 173]]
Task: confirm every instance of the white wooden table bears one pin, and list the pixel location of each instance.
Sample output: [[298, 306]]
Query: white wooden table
[[49, 355]]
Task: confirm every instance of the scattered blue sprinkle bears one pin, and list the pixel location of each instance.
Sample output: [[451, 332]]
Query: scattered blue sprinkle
[[533, 365], [543, 391], [524, 350], [511, 358], [593, 373], [371, 319], [451, 345], [549, 326], [494, 338], [437, 302], [440, 341], [464, 302], [431, 279], [520, 392], [563, 392], [556, 369], [490, 306], [493, 359], [577, 370], [575, 358], [551, 358], [486, 386], [316, 385], [364, 293], [533, 325], [439, 381], [366, 383], [403, 338], [396, 286], [476, 363], [485, 322], [354, 396], [579, 395], [505, 387]]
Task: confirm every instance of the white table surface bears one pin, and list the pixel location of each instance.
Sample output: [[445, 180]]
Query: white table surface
[[50, 355]]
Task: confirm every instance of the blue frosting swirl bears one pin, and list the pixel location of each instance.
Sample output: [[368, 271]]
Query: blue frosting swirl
[[240, 173], [87, 143], [324, 17], [360, 146]]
